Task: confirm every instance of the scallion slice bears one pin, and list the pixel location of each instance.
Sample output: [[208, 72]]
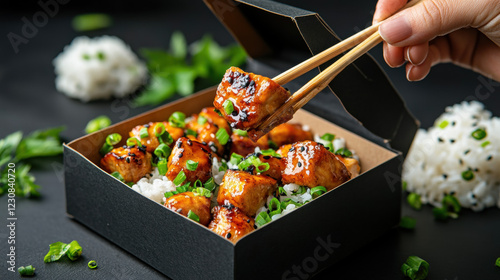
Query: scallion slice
[[191, 132], [193, 216], [485, 143], [274, 207], [451, 203], [228, 107], [197, 184], [28, 270], [328, 137], [113, 139], [222, 136], [177, 119], [180, 178], [169, 194], [415, 268], [407, 222], [92, 264], [98, 123], [163, 151], [162, 166], [159, 129], [443, 124], [317, 191], [414, 201], [289, 201], [202, 192], [132, 141], [270, 152], [479, 133], [240, 132], [235, 159], [282, 191], [209, 184], [301, 190], [118, 176], [143, 133], [497, 262], [467, 175], [343, 152], [262, 219], [272, 144], [202, 120], [191, 165]]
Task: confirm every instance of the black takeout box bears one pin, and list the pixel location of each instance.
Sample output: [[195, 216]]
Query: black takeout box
[[301, 243]]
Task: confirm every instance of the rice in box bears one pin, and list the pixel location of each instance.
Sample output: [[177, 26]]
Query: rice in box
[[459, 155]]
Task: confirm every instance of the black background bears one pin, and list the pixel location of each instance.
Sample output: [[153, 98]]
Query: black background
[[465, 248]]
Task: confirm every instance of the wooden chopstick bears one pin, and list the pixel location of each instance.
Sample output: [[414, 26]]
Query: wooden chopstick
[[360, 43]]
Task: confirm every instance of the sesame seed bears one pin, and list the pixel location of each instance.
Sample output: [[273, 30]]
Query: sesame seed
[[179, 144], [127, 159], [228, 235], [299, 164]]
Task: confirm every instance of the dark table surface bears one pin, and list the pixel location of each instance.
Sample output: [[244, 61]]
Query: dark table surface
[[465, 248]]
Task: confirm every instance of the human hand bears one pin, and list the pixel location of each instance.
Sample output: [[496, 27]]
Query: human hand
[[464, 32]]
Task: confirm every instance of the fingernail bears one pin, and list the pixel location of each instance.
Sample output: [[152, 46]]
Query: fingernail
[[408, 73], [408, 56], [395, 30]]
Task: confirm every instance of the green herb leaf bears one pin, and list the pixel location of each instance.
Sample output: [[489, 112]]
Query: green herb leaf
[[343, 152], [40, 143], [159, 89], [56, 251], [415, 268], [178, 45], [8, 145], [88, 22]]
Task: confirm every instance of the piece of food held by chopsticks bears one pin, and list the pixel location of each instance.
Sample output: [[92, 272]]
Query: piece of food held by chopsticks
[[246, 99]]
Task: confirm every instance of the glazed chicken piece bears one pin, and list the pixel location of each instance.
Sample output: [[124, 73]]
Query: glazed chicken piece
[[289, 133], [151, 142], [311, 164], [351, 164], [184, 202], [283, 150], [132, 163], [246, 191], [186, 149], [206, 124], [230, 222], [243, 145], [253, 99]]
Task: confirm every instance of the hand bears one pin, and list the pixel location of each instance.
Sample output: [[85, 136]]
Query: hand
[[464, 32]]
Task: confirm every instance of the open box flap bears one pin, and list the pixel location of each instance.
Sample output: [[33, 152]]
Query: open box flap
[[278, 36]]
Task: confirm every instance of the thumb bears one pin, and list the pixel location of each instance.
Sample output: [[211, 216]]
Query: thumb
[[431, 18]]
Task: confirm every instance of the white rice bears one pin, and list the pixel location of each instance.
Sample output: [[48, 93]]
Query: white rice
[[98, 68], [438, 157]]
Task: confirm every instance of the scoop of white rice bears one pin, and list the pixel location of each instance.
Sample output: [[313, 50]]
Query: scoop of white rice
[[440, 155], [98, 68]]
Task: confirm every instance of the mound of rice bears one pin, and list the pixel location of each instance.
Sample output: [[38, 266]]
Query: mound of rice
[[98, 68], [442, 158]]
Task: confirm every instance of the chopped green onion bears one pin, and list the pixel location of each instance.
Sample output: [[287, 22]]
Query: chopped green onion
[[118, 176], [166, 138], [404, 185], [197, 184], [162, 166], [235, 158], [191, 132], [183, 188], [407, 222], [317, 191], [180, 178], [218, 112], [328, 137], [329, 146], [301, 190], [92, 264], [415, 268], [282, 191], [228, 107], [262, 219], [272, 144], [86, 56], [441, 213], [414, 201], [100, 55], [343, 152], [143, 133], [451, 203], [163, 151], [132, 141], [289, 201], [485, 143], [209, 184], [202, 120], [255, 161], [497, 262], [113, 139], [270, 152], [240, 132], [468, 175], [98, 123], [223, 166], [93, 21], [479, 133], [222, 136], [177, 119], [443, 124], [193, 216], [169, 194], [191, 165], [73, 250], [202, 192], [274, 207], [159, 129], [28, 270]]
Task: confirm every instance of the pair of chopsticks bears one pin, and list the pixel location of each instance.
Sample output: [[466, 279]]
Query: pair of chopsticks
[[360, 43]]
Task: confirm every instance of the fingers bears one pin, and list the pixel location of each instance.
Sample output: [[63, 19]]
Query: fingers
[[386, 8], [428, 19], [417, 54]]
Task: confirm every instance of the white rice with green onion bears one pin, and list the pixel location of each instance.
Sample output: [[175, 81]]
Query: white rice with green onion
[[98, 68], [459, 155]]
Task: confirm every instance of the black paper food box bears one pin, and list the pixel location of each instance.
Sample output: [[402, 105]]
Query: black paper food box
[[301, 243]]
